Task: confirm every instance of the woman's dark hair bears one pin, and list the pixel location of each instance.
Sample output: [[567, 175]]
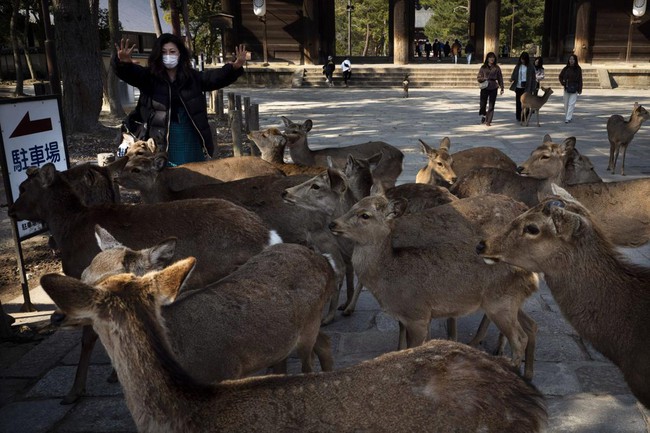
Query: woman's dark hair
[[155, 58], [525, 57], [541, 61], [576, 59], [487, 56]]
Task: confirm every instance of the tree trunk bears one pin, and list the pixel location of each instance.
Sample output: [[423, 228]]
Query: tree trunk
[[156, 18], [80, 64], [186, 22], [112, 82], [401, 34], [365, 47], [28, 57], [15, 6], [175, 17]]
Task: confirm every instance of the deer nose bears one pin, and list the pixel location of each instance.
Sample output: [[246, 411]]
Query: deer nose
[[332, 225], [520, 169], [284, 193], [480, 247]]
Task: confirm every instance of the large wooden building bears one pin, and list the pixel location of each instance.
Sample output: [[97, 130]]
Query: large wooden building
[[303, 31]]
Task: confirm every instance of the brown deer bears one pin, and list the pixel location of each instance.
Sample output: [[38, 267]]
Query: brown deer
[[594, 287], [622, 209], [620, 133], [386, 172], [532, 104], [434, 272], [222, 235], [444, 168], [441, 386], [549, 157], [249, 320], [271, 142]]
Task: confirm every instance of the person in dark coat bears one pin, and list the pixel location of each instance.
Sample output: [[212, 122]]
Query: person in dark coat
[[523, 80], [328, 70], [571, 79], [172, 104]]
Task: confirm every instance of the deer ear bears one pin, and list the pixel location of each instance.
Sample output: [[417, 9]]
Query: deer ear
[[567, 224], [166, 284], [547, 139], [374, 160], [151, 145], [160, 161], [286, 121], [105, 240], [306, 127], [47, 174], [562, 193], [162, 254], [337, 181], [426, 149], [445, 144], [377, 188], [396, 208], [127, 138], [569, 143], [636, 105], [71, 295]]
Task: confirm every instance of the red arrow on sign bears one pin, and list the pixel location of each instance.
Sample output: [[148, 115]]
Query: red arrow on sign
[[26, 126]]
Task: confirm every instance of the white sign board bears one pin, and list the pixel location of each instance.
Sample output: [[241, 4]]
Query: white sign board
[[32, 135]]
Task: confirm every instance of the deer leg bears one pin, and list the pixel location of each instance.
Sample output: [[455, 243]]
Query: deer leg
[[88, 339], [402, 337], [349, 285], [331, 312], [508, 324], [530, 328], [452, 329], [323, 350], [280, 367], [538, 125], [306, 346], [480, 332], [416, 332], [623, 161], [615, 159], [612, 149], [352, 304]]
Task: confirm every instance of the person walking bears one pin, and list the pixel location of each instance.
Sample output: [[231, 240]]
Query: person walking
[[523, 80], [172, 105], [469, 50], [447, 49], [427, 48], [539, 72], [455, 50], [328, 70], [489, 72], [346, 67], [571, 80]]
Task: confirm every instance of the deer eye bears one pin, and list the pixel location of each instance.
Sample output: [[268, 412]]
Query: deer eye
[[315, 186], [531, 229], [440, 164], [135, 170], [365, 216]]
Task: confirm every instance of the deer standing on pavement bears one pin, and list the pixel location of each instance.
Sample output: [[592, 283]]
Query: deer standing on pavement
[[439, 387], [620, 133], [605, 298], [532, 104]]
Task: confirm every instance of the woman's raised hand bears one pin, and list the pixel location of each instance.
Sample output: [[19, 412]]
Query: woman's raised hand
[[240, 54], [124, 51]]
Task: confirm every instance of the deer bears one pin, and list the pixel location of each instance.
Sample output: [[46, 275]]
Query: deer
[[593, 285], [405, 86], [444, 168], [426, 276], [386, 172], [219, 233], [620, 133], [532, 104], [441, 386], [543, 163], [271, 142], [622, 209], [249, 320]]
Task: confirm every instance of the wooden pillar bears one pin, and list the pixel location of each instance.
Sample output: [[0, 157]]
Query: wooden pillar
[[401, 38], [491, 35], [231, 7], [310, 43], [582, 45], [548, 38]]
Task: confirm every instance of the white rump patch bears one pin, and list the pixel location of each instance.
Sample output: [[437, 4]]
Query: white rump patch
[[332, 263], [274, 238]]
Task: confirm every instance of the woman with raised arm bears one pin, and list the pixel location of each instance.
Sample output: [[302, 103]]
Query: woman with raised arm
[[489, 73], [172, 103]]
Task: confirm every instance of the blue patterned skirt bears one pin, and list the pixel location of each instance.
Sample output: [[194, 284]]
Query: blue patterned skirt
[[184, 141]]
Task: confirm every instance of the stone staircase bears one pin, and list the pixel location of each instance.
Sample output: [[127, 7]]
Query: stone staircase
[[438, 76]]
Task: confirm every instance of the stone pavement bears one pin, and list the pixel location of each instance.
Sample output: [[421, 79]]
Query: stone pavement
[[585, 393]]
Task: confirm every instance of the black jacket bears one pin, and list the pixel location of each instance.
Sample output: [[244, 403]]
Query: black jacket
[[155, 95]]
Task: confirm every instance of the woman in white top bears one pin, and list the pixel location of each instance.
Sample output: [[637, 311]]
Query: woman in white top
[[346, 67], [539, 72], [523, 80]]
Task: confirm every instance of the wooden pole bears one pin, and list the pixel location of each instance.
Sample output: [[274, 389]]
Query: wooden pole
[[219, 105], [236, 128], [247, 113], [254, 125]]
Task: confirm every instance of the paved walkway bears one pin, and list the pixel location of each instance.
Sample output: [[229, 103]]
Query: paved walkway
[[585, 393]]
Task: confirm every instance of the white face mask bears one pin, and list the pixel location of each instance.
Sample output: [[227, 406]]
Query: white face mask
[[170, 61]]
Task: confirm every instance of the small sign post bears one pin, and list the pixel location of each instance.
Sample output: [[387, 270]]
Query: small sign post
[[31, 136]]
